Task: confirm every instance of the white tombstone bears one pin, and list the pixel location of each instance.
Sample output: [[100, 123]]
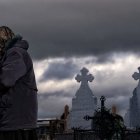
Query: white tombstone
[[84, 103], [136, 76], [134, 110]]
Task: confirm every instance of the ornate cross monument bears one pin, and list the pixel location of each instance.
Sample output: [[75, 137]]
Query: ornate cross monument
[[136, 76], [83, 103], [134, 110]]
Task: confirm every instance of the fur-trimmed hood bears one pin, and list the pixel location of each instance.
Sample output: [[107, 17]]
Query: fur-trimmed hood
[[17, 42]]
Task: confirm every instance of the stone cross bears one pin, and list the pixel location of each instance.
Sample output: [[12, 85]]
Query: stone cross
[[84, 78], [136, 75]]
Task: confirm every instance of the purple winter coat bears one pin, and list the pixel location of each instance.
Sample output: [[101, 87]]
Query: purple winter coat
[[18, 91]]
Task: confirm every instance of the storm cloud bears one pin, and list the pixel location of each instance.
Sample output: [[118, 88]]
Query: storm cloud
[[66, 35], [60, 71], [57, 28]]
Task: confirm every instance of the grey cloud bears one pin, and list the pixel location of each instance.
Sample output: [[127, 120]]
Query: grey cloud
[[113, 84], [61, 94], [114, 92], [118, 96], [121, 103], [67, 28], [60, 70], [52, 104]]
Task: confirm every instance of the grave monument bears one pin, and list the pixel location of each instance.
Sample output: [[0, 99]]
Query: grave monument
[[83, 103]]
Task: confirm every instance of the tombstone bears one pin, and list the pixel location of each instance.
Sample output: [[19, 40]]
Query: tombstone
[[135, 103], [83, 103], [136, 76]]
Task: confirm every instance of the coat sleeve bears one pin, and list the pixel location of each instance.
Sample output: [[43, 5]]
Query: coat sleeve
[[12, 69]]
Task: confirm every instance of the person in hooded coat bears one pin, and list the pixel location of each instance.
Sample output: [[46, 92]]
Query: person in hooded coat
[[18, 90]]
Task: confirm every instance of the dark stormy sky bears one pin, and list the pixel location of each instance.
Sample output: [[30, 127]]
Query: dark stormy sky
[[66, 35]]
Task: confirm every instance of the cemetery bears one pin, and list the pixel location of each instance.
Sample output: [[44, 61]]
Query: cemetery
[[87, 121]]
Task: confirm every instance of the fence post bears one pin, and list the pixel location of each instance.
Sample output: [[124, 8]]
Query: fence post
[[74, 134]]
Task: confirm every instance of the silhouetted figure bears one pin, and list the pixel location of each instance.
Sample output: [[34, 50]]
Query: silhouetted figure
[[18, 91]]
